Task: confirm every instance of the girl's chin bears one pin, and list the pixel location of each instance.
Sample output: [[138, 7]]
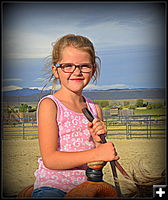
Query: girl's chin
[[76, 87]]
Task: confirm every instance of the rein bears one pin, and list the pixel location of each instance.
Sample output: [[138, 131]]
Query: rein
[[113, 163]]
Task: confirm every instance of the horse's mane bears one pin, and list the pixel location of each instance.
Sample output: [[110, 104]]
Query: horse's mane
[[142, 180]]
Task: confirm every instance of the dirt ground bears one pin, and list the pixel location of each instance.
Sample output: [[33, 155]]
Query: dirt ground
[[19, 161]]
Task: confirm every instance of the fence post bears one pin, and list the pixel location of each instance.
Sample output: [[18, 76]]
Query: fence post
[[147, 124], [23, 128], [130, 135], [127, 128], [150, 124]]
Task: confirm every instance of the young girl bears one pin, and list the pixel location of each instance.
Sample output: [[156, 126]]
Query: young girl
[[67, 140]]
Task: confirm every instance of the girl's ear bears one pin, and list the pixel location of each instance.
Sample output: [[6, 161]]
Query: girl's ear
[[55, 72], [93, 72]]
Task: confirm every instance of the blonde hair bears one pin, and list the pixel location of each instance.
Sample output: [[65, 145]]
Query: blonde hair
[[77, 41]]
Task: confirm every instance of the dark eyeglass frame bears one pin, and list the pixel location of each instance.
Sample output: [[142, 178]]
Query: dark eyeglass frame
[[63, 67]]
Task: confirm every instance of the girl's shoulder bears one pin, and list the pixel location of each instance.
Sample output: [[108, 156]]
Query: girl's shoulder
[[46, 107], [47, 102], [46, 99]]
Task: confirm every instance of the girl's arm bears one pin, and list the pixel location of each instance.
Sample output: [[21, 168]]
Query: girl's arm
[[48, 141]]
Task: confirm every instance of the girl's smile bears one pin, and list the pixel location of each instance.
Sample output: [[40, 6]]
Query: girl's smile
[[77, 79]]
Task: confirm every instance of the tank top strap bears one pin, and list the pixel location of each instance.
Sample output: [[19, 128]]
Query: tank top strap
[[91, 106]]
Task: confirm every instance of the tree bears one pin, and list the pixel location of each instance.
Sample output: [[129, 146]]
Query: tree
[[23, 108], [139, 103], [104, 103], [126, 103]]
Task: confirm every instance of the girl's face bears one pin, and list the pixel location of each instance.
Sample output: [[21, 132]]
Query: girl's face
[[76, 80]]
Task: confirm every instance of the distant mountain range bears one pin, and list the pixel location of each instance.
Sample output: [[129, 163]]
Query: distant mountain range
[[28, 91], [33, 95], [23, 92]]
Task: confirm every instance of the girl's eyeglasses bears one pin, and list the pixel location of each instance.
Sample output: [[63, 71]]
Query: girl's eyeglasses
[[70, 67]]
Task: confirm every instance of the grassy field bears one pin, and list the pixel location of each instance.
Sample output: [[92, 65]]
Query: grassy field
[[159, 111]]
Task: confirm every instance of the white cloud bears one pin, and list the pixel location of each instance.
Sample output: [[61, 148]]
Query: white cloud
[[88, 87], [113, 34], [46, 88], [105, 87], [12, 79], [21, 44], [11, 87], [57, 87], [39, 79]]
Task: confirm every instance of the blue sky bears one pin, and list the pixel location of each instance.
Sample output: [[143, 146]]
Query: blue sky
[[128, 37]]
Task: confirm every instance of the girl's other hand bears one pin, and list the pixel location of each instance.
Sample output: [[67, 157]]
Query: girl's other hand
[[96, 128]]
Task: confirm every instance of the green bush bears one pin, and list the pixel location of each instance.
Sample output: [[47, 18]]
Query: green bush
[[23, 108], [149, 106], [155, 106], [139, 103], [102, 103], [132, 106], [126, 103]]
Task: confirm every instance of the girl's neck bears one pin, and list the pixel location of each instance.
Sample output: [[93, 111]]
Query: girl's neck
[[68, 95], [71, 100]]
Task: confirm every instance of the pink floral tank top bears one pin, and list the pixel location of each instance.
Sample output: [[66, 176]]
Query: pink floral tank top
[[73, 136]]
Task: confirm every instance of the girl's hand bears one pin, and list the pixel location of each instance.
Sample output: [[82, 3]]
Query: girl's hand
[[106, 152], [96, 128]]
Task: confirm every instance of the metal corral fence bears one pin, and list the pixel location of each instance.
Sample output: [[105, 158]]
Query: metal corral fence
[[136, 126], [22, 128], [119, 127]]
